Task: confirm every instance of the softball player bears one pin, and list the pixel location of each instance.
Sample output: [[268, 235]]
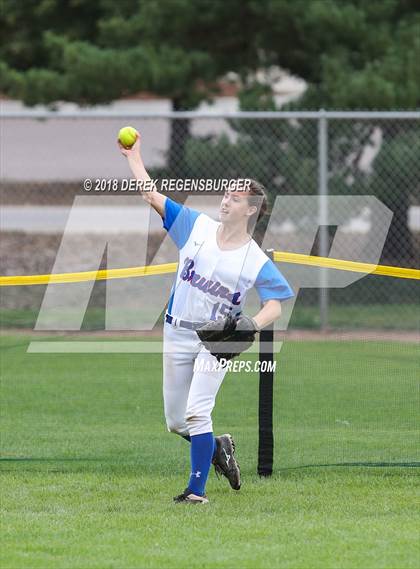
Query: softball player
[[218, 263]]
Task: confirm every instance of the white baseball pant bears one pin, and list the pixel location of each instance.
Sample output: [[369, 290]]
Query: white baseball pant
[[189, 395]]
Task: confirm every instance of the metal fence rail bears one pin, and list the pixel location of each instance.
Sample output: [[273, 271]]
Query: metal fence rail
[[322, 153]]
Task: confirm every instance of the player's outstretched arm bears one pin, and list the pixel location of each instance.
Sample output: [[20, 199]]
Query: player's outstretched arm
[[135, 161], [268, 313]]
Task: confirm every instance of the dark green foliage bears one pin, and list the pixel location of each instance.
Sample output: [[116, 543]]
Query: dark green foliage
[[353, 54]]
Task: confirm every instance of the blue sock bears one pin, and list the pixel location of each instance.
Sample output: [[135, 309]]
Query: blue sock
[[202, 448], [188, 438]]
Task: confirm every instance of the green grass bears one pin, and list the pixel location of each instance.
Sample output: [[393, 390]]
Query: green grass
[[348, 316], [360, 316], [88, 469]]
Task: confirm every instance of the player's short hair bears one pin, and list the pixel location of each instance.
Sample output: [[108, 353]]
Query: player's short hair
[[257, 196]]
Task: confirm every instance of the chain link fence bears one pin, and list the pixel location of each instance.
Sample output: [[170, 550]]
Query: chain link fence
[[46, 158]]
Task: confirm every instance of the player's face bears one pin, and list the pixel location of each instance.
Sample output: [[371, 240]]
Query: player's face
[[235, 208]]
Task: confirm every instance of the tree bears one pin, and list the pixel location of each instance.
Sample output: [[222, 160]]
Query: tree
[[396, 182], [352, 53], [96, 52]]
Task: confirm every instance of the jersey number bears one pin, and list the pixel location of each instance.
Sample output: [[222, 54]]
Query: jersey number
[[224, 310]]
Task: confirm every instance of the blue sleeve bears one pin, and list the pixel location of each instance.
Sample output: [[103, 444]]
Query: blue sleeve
[[178, 220], [271, 284]]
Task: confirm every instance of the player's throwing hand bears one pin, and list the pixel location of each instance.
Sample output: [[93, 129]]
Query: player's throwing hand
[[133, 151]]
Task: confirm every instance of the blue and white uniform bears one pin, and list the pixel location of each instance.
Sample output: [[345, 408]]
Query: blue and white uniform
[[210, 283]]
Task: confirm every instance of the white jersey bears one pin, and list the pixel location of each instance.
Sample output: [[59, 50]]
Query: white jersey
[[211, 282]]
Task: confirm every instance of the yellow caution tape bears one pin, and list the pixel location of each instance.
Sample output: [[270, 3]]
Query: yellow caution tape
[[279, 256], [355, 267], [103, 274]]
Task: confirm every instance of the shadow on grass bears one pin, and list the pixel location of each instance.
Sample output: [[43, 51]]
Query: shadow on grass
[[136, 464], [367, 464], [34, 459]]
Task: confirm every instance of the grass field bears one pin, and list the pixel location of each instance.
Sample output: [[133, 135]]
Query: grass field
[[397, 316], [89, 471]]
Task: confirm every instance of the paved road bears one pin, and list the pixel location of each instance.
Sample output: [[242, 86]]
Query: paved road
[[74, 149], [97, 219]]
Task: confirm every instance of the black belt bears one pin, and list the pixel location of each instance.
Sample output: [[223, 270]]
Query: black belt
[[184, 323]]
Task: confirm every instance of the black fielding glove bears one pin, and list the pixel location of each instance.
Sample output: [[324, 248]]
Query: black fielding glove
[[228, 337]]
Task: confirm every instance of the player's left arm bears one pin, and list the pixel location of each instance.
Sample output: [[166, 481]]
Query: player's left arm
[[270, 312], [273, 289]]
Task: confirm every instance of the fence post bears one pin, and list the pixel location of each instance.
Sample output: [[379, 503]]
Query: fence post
[[323, 214], [265, 401]]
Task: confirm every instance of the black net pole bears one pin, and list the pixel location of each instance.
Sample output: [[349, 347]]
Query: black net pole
[[265, 407]]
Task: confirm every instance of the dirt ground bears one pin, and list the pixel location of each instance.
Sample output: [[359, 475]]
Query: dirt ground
[[289, 335]]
